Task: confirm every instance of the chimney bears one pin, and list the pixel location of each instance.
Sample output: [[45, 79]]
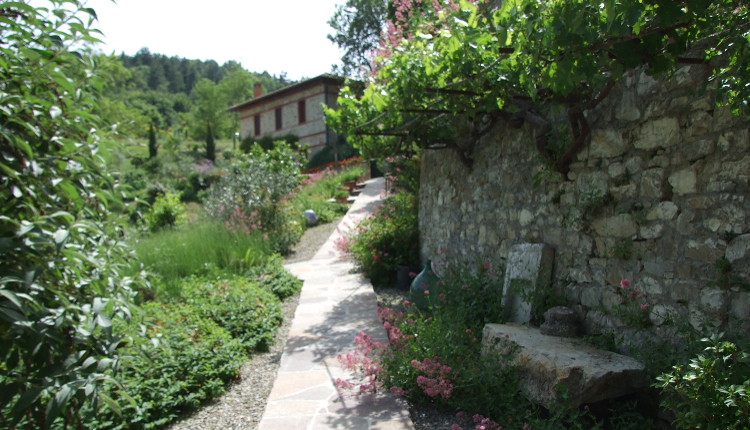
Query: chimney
[[258, 90]]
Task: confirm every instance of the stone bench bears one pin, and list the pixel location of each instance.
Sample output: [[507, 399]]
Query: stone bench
[[545, 362]]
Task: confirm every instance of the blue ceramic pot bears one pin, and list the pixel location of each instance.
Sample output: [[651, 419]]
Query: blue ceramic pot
[[423, 291]]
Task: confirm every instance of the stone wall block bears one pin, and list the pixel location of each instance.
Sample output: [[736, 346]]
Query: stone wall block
[[647, 85], [627, 109], [739, 312], [653, 183], [698, 149], [653, 231], [700, 124], [663, 211], [607, 143], [658, 267], [617, 171], [659, 133], [624, 192], [683, 182], [591, 297], [619, 226], [611, 299], [684, 291], [597, 322], [660, 314], [734, 141], [634, 165], [706, 250], [738, 249], [715, 299]]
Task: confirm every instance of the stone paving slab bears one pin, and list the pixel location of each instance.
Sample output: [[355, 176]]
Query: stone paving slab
[[335, 304]]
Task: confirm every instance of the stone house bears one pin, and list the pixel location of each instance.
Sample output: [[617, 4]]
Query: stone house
[[296, 109]]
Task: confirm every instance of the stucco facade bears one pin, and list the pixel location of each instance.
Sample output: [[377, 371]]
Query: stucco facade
[[295, 109]]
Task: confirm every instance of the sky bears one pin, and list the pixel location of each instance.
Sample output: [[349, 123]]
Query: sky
[[263, 35]]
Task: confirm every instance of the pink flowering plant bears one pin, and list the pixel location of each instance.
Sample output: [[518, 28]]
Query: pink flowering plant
[[435, 356], [635, 309]]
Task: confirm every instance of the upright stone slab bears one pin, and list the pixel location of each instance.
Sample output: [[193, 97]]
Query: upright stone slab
[[529, 265]]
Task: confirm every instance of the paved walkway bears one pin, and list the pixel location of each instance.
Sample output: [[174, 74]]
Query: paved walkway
[[335, 304]]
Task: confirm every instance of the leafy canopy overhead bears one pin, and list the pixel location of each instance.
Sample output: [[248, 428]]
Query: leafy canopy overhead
[[448, 69]]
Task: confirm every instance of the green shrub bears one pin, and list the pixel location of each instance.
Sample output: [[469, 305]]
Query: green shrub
[[248, 311], [711, 392], [274, 277], [61, 280], [167, 211], [251, 196], [182, 359], [387, 239]]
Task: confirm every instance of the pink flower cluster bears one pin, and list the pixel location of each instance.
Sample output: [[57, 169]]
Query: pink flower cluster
[[241, 220], [436, 380], [482, 423], [363, 360], [633, 293]]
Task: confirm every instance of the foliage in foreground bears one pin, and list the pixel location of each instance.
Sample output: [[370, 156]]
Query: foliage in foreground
[[711, 391], [61, 265], [187, 344]]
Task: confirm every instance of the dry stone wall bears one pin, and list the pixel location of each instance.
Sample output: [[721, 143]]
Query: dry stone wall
[[659, 196]]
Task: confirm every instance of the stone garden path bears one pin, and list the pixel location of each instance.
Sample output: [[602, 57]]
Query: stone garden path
[[335, 304]]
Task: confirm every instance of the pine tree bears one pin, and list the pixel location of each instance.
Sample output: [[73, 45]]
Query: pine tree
[[210, 145], [153, 147]]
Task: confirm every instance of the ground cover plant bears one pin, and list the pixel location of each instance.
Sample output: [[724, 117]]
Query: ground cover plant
[[388, 238]]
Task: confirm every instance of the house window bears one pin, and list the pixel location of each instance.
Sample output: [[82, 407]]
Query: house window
[[302, 111], [256, 119], [278, 118]]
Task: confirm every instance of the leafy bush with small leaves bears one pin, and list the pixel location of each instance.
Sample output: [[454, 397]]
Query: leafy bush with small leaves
[[61, 262], [252, 195], [387, 239], [711, 392], [248, 311], [178, 358], [274, 277], [167, 211]]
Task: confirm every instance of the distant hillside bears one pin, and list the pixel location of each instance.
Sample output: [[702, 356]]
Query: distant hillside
[[178, 95]]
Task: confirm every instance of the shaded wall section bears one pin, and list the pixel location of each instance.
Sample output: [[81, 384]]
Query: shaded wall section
[[660, 196]]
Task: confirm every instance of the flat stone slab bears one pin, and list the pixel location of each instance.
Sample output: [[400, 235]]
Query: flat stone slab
[[589, 374]]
